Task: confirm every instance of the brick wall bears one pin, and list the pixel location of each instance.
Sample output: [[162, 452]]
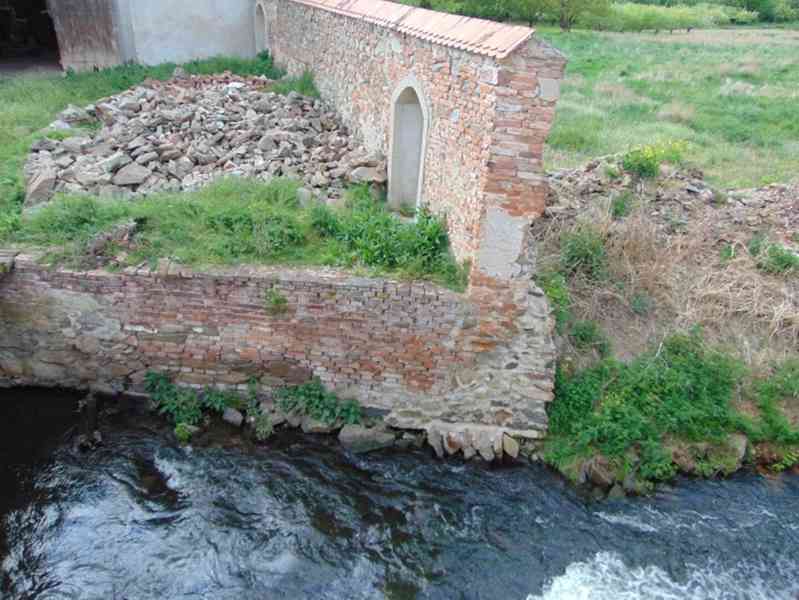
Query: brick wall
[[415, 350], [487, 119]]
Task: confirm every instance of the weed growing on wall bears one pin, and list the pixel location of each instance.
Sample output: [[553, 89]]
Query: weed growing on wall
[[275, 303], [304, 85], [556, 288], [314, 400]]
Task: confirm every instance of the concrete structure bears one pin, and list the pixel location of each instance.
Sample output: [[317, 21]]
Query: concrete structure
[[103, 33]]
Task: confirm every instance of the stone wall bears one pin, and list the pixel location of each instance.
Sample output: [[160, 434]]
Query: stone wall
[[422, 353], [487, 118]]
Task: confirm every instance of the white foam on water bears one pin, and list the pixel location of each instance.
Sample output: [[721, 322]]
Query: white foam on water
[[169, 469], [606, 577], [627, 521]]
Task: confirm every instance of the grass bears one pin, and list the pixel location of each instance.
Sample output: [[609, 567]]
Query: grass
[[30, 103], [235, 221], [731, 97]]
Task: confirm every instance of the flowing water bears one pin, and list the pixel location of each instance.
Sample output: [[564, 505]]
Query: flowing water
[[143, 518]]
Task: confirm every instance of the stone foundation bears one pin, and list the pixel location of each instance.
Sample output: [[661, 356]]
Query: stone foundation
[[430, 358]]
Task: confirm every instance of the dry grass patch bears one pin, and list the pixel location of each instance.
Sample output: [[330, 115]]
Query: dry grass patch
[[677, 112], [664, 276]]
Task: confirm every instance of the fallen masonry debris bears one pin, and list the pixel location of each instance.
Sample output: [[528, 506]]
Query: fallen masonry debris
[[184, 133]]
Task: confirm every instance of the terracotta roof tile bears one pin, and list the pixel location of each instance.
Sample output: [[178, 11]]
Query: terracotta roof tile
[[465, 33]]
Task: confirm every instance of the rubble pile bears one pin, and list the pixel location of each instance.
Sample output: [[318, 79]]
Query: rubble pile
[[677, 198], [181, 134]]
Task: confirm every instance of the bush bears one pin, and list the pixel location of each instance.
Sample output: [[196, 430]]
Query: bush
[[314, 400], [182, 405], [778, 260], [644, 161], [641, 16], [588, 335], [621, 205], [682, 390], [263, 427]]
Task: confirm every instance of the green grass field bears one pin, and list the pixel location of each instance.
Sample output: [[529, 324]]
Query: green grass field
[[732, 94]]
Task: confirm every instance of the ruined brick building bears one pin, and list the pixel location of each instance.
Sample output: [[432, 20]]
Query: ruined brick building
[[461, 108]]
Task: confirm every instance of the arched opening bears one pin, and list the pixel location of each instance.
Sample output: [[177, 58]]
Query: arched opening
[[261, 30], [28, 40], [407, 149]]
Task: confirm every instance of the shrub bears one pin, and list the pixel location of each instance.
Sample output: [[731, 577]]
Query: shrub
[[588, 335], [314, 400], [263, 427], [182, 405], [642, 16], [621, 205], [183, 432], [218, 400], [778, 260], [682, 390], [582, 250], [645, 161]]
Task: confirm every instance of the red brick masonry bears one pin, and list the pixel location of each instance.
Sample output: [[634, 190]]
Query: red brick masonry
[[414, 349]]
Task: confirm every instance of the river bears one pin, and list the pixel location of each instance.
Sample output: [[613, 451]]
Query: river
[[142, 518]]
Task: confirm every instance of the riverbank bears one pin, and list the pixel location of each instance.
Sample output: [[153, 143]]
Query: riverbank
[[677, 322]]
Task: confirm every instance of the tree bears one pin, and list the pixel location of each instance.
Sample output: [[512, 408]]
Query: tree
[[567, 12], [530, 11]]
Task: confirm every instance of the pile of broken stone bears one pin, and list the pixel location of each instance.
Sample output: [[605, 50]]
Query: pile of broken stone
[[184, 133], [676, 197]]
